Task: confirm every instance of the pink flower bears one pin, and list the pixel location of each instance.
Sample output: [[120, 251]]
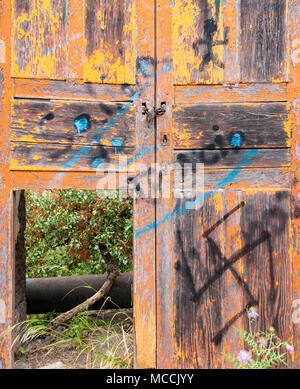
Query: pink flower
[[263, 342], [289, 348], [253, 314], [244, 357]]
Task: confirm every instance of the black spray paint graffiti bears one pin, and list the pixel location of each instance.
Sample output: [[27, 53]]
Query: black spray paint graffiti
[[276, 216], [235, 140], [145, 66], [210, 29]]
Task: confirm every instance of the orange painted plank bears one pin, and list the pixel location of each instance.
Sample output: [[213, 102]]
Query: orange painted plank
[[61, 90]]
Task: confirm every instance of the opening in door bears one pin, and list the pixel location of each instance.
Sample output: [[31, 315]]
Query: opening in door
[[60, 262]]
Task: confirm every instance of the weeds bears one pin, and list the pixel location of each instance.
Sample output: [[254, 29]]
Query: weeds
[[265, 350], [104, 343]]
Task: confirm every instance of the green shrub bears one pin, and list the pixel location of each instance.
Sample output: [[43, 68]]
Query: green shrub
[[65, 226]]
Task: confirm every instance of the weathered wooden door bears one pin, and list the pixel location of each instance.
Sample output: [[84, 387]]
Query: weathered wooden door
[[229, 73], [74, 77]]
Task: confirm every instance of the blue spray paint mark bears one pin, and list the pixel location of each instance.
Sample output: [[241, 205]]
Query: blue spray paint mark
[[73, 159], [146, 68], [166, 68], [82, 123], [95, 137], [236, 140], [116, 143], [97, 162], [64, 12], [245, 161]]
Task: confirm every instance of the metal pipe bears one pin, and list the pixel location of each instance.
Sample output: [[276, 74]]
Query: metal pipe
[[63, 293]]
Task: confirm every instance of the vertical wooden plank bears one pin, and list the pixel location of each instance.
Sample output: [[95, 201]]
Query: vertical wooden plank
[[165, 226], [263, 56], [267, 267], [75, 39], [233, 301], [198, 40], [130, 41], [22, 20], [294, 97], [231, 19], [199, 295], [39, 25], [104, 60], [144, 293], [6, 262], [49, 43]]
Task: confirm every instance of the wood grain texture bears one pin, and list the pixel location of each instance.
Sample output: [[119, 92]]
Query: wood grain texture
[[109, 41], [257, 242], [246, 178], [144, 285], [235, 93], [196, 318], [214, 159], [267, 267], [198, 40], [39, 39], [294, 96], [105, 124], [75, 42], [58, 157], [35, 179], [64, 39], [263, 40], [61, 90], [185, 333], [229, 125], [7, 243]]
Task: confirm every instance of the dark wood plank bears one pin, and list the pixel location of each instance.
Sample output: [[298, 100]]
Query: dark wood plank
[[231, 158], [234, 245], [32, 156], [263, 40], [243, 178], [209, 126], [198, 302], [107, 124]]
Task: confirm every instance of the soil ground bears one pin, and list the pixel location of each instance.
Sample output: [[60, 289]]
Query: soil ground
[[107, 347]]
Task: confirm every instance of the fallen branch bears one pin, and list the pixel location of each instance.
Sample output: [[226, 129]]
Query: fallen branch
[[112, 274]]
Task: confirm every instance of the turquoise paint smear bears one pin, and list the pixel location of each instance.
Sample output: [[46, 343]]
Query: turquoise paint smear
[[244, 162], [72, 160], [236, 140], [81, 124], [97, 163], [116, 143], [166, 68]]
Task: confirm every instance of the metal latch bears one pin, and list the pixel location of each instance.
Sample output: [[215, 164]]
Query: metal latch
[[153, 112]]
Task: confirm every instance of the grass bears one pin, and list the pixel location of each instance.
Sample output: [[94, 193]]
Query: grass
[[102, 344]]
